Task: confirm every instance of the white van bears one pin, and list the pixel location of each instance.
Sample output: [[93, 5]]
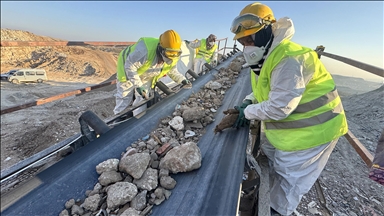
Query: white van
[[28, 75]]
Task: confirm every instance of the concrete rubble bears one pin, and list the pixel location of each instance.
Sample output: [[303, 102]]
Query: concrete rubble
[[142, 177]]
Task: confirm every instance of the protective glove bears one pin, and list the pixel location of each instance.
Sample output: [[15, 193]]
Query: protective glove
[[245, 103], [141, 91], [186, 84], [241, 121]]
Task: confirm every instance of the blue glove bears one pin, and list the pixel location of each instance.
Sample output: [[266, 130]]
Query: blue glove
[[241, 121], [141, 90]]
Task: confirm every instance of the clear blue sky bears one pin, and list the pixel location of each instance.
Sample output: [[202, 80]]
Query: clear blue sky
[[352, 29]]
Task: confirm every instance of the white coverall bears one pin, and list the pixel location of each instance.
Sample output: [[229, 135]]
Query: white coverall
[[199, 62], [135, 59], [292, 173]]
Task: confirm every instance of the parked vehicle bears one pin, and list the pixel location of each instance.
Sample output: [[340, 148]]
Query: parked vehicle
[[28, 75], [5, 76]]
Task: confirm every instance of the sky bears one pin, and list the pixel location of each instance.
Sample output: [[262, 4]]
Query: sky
[[353, 29]]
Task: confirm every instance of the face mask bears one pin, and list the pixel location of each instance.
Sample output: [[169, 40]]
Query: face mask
[[166, 59], [211, 43], [253, 54]]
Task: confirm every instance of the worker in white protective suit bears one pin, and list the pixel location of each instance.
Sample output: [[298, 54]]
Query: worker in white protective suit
[[296, 99], [142, 64], [207, 52]]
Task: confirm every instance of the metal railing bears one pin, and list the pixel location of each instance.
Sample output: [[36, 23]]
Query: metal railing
[[356, 144], [70, 43]]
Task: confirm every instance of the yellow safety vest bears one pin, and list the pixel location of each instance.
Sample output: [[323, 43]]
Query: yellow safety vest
[[319, 117], [203, 52], [151, 45]]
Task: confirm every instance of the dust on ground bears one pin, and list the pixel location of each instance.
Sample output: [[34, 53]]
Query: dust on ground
[[31, 130]]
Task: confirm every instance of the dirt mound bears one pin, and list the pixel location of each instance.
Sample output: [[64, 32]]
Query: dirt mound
[[62, 63]]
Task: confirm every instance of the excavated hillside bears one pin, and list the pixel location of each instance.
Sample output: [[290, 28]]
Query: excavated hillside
[[28, 131], [62, 63]]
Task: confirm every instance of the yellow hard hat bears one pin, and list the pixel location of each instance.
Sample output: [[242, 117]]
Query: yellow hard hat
[[171, 42], [251, 19]]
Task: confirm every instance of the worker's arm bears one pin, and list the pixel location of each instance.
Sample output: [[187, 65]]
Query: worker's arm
[[288, 82], [134, 61], [194, 45], [175, 75], [250, 97]]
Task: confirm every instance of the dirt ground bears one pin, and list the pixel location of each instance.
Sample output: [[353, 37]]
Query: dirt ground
[[29, 131]]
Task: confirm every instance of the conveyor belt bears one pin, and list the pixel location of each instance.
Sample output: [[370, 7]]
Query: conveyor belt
[[213, 189]]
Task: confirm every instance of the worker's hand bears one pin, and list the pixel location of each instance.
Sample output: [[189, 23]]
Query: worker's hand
[[141, 91], [241, 121], [245, 103], [186, 84]]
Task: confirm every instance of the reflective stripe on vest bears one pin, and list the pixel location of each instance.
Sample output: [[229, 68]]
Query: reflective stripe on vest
[[151, 45], [204, 53], [317, 103], [319, 117], [312, 121]]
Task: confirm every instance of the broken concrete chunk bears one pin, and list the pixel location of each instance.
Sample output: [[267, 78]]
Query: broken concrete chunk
[[77, 210], [167, 182], [213, 85], [69, 203], [184, 158], [158, 201], [92, 202], [159, 192], [194, 113], [163, 172], [108, 165], [167, 193], [109, 177], [177, 123], [148, 181], [120, 193], [64, 213], [135, 164], [140, 201], [235, 66]]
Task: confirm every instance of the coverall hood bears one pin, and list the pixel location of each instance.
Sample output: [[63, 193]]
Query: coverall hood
[[281, 30]]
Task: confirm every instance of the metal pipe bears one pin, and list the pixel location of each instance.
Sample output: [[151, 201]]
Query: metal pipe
[[98, 125], [363, 66], [164, 88], [192, 73]]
